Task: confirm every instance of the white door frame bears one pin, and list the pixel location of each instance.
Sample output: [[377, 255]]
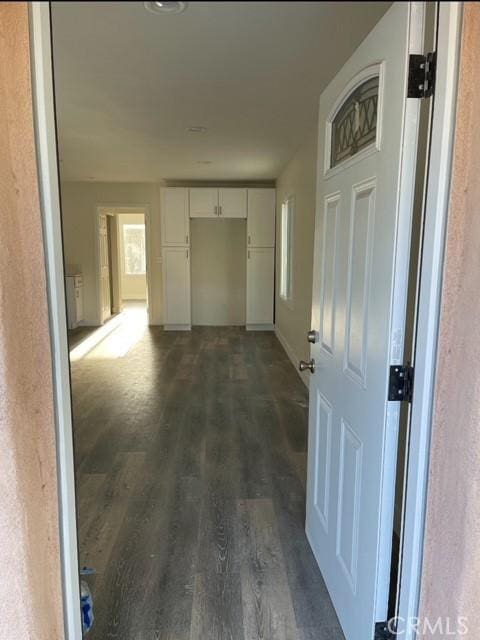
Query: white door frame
[[428, 312], [450, 15], [114, 210]]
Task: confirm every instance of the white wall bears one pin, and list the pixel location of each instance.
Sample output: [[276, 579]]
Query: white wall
[[79, 202], [292, 321], [133, 287], [218, 271]]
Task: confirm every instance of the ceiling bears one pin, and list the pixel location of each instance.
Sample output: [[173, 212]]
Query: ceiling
[[129, 84]]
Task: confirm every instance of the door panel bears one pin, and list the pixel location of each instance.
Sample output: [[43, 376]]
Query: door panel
[[322, 449], [261, 218], [365, 182], [359, 257], [329, 271], [232, 203], [203, 203], [260, 286], [175, 218], [105, 299], [349, 496], [176, 286]]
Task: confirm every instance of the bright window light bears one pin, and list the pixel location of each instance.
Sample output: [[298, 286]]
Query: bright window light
[[286, 250], [134, 263]]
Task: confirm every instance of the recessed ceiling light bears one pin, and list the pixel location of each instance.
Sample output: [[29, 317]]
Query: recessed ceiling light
[[165, 7], [204, 162], [197, 129]]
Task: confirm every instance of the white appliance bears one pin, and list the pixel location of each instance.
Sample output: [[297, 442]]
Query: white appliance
[[74, 286]]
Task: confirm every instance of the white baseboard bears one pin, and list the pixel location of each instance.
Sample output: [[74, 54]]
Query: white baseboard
[[177, 327], [304, 376], [260, 327]]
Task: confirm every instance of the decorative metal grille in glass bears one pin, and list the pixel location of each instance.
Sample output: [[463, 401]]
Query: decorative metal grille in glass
[[355, 125], [134, 249]]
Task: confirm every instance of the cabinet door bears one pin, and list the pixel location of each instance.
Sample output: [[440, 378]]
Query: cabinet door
[[203, 203], [176, 287], [232, 203], [78, 304], [174, 216], [261, 218], [260, 286]]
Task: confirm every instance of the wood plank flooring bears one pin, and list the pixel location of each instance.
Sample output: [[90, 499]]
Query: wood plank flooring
[[191, 461]]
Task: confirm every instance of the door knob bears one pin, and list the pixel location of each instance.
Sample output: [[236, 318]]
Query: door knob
[[312, 336], [303, 366]]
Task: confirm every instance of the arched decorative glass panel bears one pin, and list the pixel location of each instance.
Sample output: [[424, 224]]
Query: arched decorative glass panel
[[355, 125]]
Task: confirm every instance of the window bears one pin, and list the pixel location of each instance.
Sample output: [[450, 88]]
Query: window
[[355, 125], [286, 250], [134, 249]]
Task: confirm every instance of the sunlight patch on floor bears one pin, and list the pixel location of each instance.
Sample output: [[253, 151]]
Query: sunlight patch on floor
[[115, 338]]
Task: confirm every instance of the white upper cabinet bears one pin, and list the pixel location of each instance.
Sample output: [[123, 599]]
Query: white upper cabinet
[[218, 203], [232, 203], [203, 203], [261, 218], [174, 216]]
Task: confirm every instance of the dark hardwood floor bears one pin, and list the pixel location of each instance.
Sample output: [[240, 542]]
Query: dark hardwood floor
[[191, 462]]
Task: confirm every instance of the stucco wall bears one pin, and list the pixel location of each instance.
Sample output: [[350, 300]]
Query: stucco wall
[[451, 574], [30, 587]]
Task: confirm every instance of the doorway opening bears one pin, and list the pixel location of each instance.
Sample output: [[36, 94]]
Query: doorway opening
[[123, 263], [133, 260], [207, 358]]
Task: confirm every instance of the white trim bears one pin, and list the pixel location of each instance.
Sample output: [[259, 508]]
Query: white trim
[[44, 116], [177, 327], [259, 327], [438, 191], [304, 375]]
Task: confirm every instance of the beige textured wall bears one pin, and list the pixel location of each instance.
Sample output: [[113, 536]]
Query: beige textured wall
[[30, 586], [218, 271], [451, 574], [298, 179], [79, 202]]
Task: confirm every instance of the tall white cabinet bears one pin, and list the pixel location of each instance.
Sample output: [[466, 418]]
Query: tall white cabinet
[[175, 225], [257, 206], [260, 258]]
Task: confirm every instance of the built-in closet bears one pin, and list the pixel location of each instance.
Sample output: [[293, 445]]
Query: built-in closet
[[248, 217]]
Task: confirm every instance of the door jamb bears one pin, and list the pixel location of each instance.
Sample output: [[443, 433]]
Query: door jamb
[[431, 275], [450, 15], [47, 162]]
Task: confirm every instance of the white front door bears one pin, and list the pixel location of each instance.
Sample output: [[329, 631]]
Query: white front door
[[366, 162], [105, 293]]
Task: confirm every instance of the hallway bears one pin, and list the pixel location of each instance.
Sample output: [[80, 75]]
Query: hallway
[[191, 464]]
